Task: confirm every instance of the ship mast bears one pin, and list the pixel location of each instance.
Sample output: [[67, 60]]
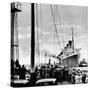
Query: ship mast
[[32, 36], [14, 31], [14, 37], [72, 40]]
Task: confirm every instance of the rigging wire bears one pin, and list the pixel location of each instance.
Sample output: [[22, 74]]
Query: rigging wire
[[37, 27], [18, 5], [54, 24], [54, 36], [41, 29], [17, 38], [60, 24]]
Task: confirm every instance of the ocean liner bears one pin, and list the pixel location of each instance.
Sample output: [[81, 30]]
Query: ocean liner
[[70, 55]]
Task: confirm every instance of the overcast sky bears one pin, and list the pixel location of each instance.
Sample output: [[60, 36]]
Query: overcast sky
[[46, 39]]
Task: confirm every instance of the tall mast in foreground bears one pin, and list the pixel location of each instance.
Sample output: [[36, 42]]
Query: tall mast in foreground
[[32, 36], [14, 31]]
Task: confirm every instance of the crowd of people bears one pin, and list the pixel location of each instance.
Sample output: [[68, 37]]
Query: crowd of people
[[17, 71], [60, 73]]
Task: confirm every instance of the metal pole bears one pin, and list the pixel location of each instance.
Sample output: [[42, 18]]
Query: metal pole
[[14, 38], [32, 36]]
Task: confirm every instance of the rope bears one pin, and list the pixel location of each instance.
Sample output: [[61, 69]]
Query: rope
[[37, 32], [41, 29], [55, 24], [60, 24]]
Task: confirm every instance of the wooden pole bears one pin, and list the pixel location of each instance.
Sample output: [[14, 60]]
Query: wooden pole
[[32, 36]]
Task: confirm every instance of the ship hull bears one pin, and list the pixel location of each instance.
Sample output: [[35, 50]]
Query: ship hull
[[71, 61]]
